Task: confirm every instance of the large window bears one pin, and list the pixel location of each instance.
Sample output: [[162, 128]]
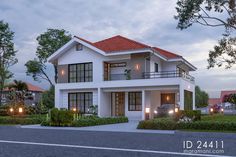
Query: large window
[[135, 101], [82, 72], [82, 101]]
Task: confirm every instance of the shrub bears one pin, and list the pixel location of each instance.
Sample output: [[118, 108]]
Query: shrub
[[93, 120], [61, 117], [159, 124], [193, 114], [170, 124]]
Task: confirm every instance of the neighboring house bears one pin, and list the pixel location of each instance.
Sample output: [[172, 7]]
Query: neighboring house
[[220, 101], [35, 91], [121, 76]]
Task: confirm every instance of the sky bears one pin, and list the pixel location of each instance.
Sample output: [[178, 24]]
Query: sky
[[149, 21]]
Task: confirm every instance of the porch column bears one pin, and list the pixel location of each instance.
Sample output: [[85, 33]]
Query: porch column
[[181, 97], [194, 107], [58, 99], [143, 104], [99, 102]]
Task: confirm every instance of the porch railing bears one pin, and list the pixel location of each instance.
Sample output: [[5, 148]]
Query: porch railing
[[151, 75]]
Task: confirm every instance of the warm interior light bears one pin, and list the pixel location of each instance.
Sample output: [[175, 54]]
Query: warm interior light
[[74, 109], [62, 72], [20, 110], [11, 110], [176, 109], [137, 66], [167, 98], [147, 110]]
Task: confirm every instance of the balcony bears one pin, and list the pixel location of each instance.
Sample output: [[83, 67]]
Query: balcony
[[150, 75]]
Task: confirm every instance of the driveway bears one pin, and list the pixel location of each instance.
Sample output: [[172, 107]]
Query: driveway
[[131, 126]]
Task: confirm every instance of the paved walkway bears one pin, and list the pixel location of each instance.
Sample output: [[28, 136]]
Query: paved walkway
[[121, 127]]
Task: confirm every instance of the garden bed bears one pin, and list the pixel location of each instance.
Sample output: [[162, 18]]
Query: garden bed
[[207, 123]]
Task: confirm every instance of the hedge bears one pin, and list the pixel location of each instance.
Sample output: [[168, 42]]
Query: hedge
[[24, 120], [170, 124]]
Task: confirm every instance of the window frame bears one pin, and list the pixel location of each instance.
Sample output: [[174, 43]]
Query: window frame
[[81, 73], [134, 101], [84, 97], [156, 67]]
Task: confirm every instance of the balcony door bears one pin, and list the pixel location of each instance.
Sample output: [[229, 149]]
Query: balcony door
[[117, 103]]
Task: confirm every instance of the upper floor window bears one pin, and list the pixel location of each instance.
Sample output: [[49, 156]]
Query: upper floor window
[[82, 72], [156, 67], [79, 47]]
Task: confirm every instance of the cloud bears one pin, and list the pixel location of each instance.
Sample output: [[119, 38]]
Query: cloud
[[147, 21]]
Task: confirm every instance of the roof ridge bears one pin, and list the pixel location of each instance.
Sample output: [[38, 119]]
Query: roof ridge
[[125, 39], [83, 39]]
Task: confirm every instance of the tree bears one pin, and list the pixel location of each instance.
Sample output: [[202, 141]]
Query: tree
[[204, 12], [201, 97], [48, 43], [18, 92], [48, 98], [7, 54]]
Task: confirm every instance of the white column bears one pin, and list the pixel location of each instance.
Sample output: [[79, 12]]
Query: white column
[[193, 89], [58, 102], [181, 97], [143, 104], [99, 102]]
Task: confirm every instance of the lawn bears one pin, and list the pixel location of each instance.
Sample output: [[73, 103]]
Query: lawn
[[219, 118], [22, 120]]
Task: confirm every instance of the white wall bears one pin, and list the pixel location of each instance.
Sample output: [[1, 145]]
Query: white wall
[[155, 102], [153, 60], [104, 104], [169, 66]]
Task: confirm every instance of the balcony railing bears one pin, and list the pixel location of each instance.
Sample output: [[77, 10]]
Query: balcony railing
[[151, 75]]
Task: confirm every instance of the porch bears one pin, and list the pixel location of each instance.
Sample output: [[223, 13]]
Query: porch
[[134, 103]]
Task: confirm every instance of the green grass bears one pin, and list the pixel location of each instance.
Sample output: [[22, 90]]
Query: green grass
[[219, 118]]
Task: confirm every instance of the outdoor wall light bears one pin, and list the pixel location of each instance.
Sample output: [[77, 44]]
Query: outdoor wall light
[[155, 111], [167, 98], [74, 109], [137, 67], [20, 110], [62, 72], [222, 110], [11, 109], [176, 109], [147, 110], [211, 109]]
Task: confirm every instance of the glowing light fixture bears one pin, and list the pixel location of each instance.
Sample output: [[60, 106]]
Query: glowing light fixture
[[62, 72], [171, 112], [211, 110], [137, 67], [222, 110], [155, 111], [74, 109], [147, 110], [176, 109], [11, 109], [167, 98], [20, 110]]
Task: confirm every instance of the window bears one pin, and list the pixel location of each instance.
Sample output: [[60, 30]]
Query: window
[[82, 101], [156, 67], [135, 101], [79, 47], [82, 72]]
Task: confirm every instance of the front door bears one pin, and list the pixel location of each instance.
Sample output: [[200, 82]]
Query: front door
[[117, 103]]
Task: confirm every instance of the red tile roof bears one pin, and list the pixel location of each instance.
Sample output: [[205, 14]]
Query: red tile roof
[[213, 101], [223, 93], [167, 54], [31, 87], [120, 43]]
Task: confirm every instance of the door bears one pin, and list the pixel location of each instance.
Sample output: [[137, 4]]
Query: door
[[117, 103]]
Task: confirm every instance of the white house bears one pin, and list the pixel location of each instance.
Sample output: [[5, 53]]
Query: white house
[[122, 77]]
